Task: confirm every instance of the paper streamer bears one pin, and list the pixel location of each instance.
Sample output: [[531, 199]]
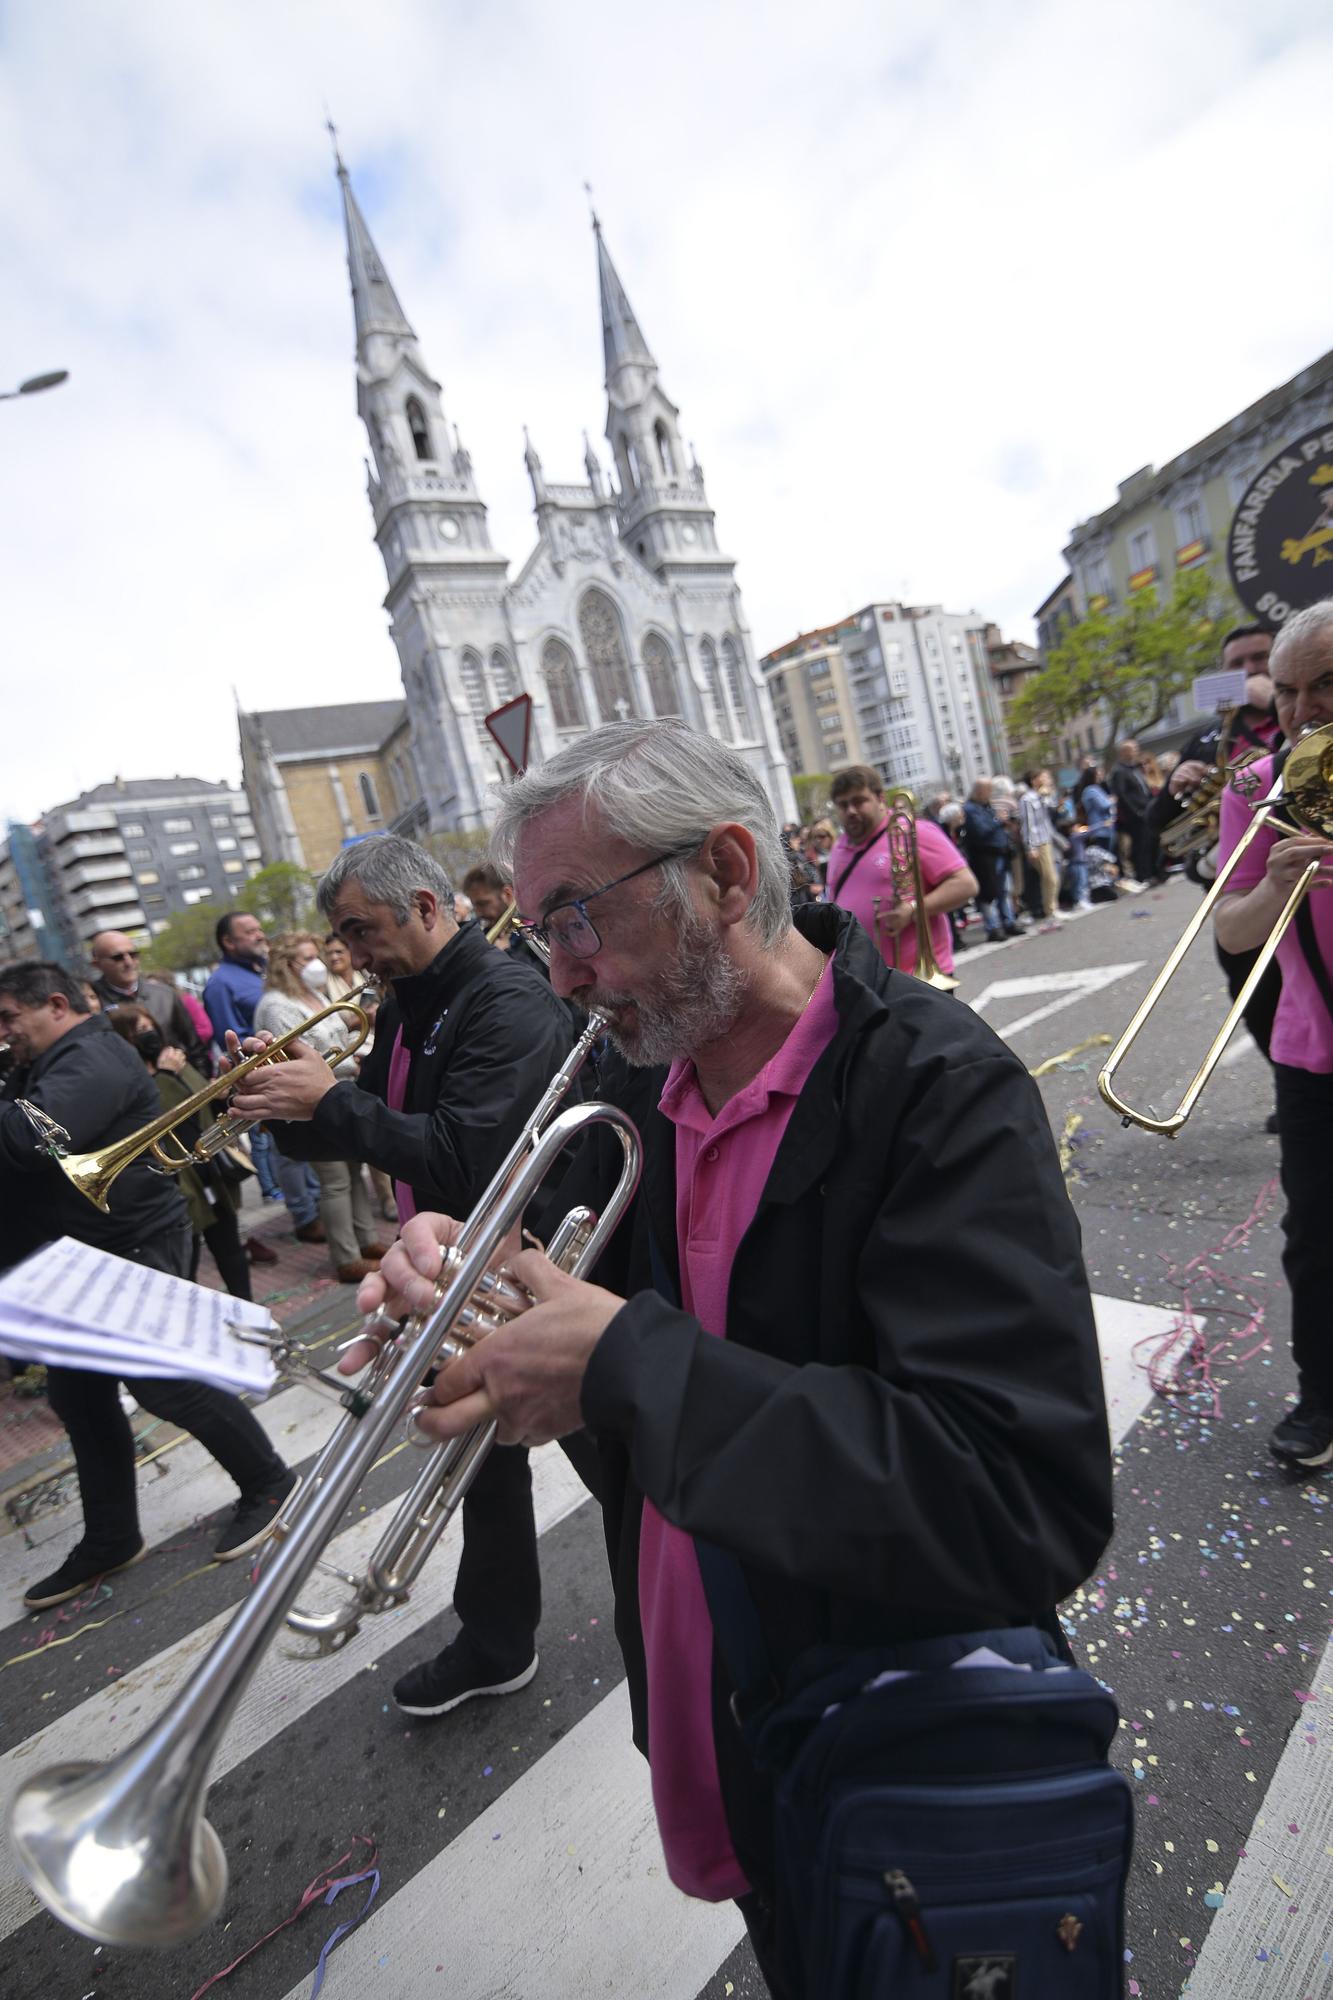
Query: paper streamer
[[1164, 1362], [324, 1888], [1067, 1055]]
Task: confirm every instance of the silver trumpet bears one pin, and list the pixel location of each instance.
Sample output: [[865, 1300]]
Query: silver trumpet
[[447, 1472], [122, 1851]]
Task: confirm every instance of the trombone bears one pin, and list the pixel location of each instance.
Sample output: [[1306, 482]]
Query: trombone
[[1303, 794], [122, 1851], [93, 1173], [905, 873]]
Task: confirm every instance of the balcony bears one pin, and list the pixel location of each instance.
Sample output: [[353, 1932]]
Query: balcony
[[88, 847], [87, 872], [129, 917], [100, 897]]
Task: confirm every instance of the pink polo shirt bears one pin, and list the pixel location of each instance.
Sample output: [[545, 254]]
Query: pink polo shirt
[[722, 1166], [1302, 1026], [871, 881]]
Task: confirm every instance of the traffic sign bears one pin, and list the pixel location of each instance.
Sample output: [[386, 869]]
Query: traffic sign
[[511, 726]]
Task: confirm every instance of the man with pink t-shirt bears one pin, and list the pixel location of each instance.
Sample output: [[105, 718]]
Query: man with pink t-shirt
[[844, 1333], [1301, 1047], [860, 873]]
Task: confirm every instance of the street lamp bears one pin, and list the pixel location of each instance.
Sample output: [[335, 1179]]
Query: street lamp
[[35, 384]]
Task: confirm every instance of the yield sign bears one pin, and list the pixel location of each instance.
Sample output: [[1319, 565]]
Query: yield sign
[[1068, 987], [511, 726]]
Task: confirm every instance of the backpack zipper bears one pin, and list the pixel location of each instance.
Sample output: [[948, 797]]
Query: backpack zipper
[[907, 1908]]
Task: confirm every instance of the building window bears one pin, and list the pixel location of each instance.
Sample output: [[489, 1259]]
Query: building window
[[562, 685], [664, 457], [604, 649], [660, 672], [179, 847], [830, 722], [473, 676], [219, 819], [734, 680], [131, 829], [713, 683], [147, 876], [174, 826], [627, 459], [192, 872], [416, 423], [1191, 525], [226, 843], [1142, 552], [836, 749], [503, 678], [140, 853], [233, 867], [197, 895], [369, 797]]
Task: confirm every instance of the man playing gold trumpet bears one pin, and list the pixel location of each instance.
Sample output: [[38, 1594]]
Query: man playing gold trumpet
[[1301, 1047], [844, 1332]]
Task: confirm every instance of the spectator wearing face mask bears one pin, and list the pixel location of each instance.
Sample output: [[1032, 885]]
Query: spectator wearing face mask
[[212, 1191], [296, 986]]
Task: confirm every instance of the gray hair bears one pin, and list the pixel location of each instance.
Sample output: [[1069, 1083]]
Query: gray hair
[[659, 785], [388, 870], [1315, 622]]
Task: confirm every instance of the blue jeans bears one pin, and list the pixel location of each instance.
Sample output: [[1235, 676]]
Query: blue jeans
[[1076, 875], [300, 1188], [262, 1151]]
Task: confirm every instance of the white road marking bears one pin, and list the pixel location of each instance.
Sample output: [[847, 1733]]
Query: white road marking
[[1264, 1938], [1071, 987], [558, 1888], [287, 1685]]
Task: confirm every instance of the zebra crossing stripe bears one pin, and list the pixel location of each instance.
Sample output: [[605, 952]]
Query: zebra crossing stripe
[[559, 1887], [286, 1687]]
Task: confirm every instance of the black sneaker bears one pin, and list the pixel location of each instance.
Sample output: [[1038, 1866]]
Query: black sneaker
[[454, 1676], [1305, 1435], [81, 1567], [1270, 1123], [252, 1520]]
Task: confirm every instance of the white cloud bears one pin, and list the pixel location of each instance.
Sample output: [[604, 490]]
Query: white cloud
[[924, 284]]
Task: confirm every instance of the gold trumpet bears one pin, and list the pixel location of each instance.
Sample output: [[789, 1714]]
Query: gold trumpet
[[1304, 796], [93, 1173], [905, 873]]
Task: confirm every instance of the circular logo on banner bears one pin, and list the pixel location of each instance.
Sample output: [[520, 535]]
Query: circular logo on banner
[[1282, 532]]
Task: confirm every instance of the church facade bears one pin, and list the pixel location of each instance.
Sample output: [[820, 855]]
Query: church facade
[[625, 608]]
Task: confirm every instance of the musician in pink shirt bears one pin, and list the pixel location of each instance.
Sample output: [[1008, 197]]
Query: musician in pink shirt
[[861, 873]]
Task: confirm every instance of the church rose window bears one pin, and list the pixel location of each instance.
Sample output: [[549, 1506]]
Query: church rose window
[[713, 683], [562, 685], [661, 673], [604, 645]]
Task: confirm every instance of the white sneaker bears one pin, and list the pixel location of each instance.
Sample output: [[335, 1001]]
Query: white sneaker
[[1132, 888], [1081, 908]]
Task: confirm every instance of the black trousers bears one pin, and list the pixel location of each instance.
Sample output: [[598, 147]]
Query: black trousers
[[1304, 1123], [1263, 1001], [498, 1595], [88, 1405], [223, 1237], [760, 1924]]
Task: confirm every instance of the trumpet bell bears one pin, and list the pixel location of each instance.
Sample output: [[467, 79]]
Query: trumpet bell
[[90, 1840]]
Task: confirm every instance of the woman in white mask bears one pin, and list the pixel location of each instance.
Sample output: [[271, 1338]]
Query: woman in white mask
[[295, 987]]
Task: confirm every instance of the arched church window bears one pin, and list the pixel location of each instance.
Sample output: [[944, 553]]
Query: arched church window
[[604, 648], [660, 671], [713, 683], [416, 423], [503, 678], [369, 797], [473, 676], [628, 460], [664, 453], [733, 676], [562, 685]]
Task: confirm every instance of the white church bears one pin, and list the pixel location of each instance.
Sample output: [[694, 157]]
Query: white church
[[625, 607]]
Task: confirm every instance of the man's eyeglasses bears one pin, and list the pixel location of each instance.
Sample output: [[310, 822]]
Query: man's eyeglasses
[[120, 954], [569, 924]]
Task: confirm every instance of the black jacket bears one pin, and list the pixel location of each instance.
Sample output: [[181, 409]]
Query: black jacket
[[486, 1035], [904, 1432], [164, 1004], [96, 1086], [1131, 792]]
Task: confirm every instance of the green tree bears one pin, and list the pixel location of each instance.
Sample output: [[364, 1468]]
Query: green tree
[[1130, 665], [187, 941], [811, 789], [282, 896]]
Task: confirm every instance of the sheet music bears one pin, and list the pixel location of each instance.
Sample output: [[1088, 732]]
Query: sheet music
[[85, 1308]]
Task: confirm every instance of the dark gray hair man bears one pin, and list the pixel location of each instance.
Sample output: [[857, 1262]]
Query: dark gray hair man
[[1301, 1045], [71, 1064], [845, 1334], [465, 1044]]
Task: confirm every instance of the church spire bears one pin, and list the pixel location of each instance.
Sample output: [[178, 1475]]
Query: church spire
[[622, 337], [374, 300]]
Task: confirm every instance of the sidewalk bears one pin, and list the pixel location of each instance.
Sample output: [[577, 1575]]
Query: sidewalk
[[300, 1290]]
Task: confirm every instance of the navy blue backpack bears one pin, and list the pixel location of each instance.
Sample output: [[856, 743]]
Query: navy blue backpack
[[943, 1832]]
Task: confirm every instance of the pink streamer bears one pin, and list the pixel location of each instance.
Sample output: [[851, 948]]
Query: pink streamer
[[327, 1879], [1185, 1344]]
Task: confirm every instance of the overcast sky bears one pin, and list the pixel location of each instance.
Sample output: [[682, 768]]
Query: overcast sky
[[926, 283]]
